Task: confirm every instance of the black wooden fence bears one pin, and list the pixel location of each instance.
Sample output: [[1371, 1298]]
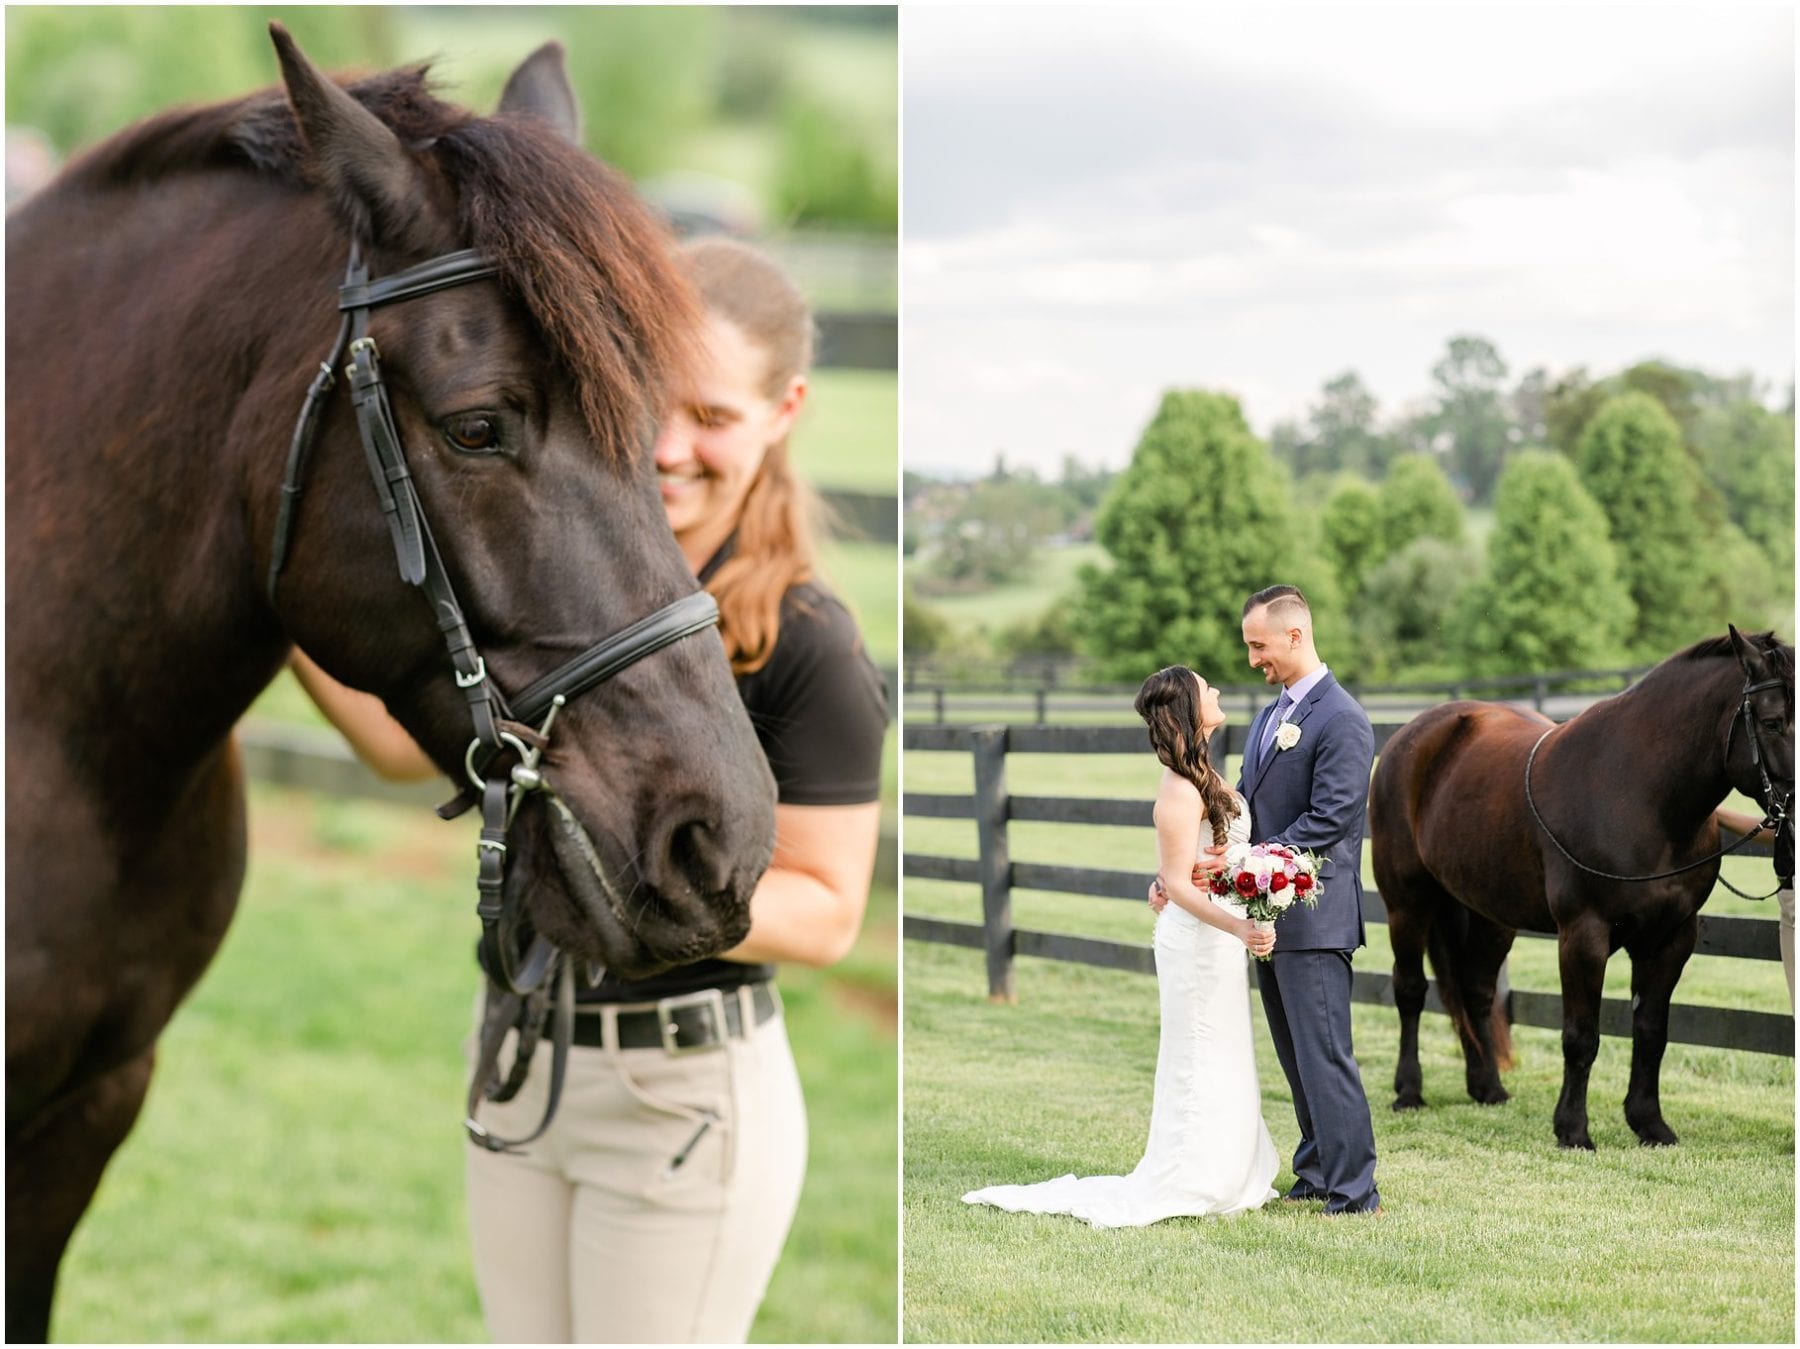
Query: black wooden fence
[[993, 807]]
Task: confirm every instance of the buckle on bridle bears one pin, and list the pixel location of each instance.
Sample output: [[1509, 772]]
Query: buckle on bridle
[[469, 681]]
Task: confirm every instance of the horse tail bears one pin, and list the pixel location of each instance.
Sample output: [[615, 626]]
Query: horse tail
[[1504, 1059], [1449, 929]]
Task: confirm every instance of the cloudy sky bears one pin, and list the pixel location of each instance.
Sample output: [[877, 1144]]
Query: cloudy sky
[[1101, 204]]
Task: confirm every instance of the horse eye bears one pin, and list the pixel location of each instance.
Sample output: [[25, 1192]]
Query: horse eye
[[1775, 723], [473, 434]]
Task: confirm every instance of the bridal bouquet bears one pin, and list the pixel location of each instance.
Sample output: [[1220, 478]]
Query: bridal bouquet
[[1268, 879]]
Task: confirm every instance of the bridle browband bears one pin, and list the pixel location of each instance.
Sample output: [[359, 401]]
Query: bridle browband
[[1776, 809], [518, 982]]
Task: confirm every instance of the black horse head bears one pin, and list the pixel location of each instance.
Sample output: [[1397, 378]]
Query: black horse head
[[1760, 757], [523, 404]]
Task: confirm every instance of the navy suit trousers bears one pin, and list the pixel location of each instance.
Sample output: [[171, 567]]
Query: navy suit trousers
[[1306, 998]]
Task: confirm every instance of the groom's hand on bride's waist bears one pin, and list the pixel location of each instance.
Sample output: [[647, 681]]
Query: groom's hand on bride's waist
[[1157, 896], [1210, 865]]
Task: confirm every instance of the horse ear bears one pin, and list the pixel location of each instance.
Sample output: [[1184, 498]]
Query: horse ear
[[353, 154], [1748, 656], [540, 86]]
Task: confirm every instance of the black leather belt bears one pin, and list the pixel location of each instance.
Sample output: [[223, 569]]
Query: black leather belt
[[680, 1024]]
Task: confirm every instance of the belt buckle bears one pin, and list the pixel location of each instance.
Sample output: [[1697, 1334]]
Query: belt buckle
[[711, 998]]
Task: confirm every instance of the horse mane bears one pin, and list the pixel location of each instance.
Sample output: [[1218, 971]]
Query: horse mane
[[591, 265], [1777, 652]]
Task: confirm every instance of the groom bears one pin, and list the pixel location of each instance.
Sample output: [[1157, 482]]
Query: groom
[[1306, 778]]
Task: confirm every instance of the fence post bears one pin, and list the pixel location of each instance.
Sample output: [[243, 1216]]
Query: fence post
[[1540, 689], [1041, 717], [996, 861], [937, 698]]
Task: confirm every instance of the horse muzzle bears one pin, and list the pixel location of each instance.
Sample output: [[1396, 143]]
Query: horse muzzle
[[682, 896]]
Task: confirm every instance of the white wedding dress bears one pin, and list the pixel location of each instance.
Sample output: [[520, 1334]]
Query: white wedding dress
[[1209, 1150]]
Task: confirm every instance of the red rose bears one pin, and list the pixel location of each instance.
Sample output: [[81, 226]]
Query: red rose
[[1246, 884], [1302, 883], [1277, 882], [1220, 886]]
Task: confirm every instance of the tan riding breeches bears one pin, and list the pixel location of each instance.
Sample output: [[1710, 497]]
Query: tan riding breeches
[[1786, 898], [654, 1209]]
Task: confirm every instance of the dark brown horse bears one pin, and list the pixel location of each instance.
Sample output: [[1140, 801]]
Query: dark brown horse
[[168, 302], [1464, 860]]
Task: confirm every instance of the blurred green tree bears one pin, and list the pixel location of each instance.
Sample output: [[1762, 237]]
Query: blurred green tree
[[1405, 619], [1550, 597], [1340, 434], [1417, 502], [1747, 453], [1201, 519], [1632, 463], [1471, 412], [1350, 534]]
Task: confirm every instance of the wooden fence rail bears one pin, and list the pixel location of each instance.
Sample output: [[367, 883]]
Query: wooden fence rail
[[1038, 691], [993, 807]]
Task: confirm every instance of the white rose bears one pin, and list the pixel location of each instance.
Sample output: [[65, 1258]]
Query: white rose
[[1235, 855], [1287, 735], [1280, 899]]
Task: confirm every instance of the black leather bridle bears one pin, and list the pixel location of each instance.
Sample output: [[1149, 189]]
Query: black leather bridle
[[1776, 808], [518, 980]]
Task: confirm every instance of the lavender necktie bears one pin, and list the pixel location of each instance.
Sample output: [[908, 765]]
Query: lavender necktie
[[1282, 704]]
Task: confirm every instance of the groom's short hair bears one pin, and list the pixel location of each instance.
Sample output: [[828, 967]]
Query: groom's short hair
[[1286, 604]]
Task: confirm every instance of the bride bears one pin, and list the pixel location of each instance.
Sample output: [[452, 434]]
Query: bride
[[1209, 1151]]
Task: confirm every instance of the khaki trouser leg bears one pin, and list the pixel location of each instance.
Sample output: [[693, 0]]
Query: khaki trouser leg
[[640, 1249], [1786, 899]]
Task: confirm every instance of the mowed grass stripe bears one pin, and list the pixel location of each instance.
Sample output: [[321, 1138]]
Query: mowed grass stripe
[[1491, 1232]]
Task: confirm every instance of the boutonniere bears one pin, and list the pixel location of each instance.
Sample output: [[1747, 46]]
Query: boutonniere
[[1287, 735]]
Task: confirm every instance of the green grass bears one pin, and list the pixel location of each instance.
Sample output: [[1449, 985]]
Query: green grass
[[848, 436], [297, 1171], [1052, 578], [1490, 1233]]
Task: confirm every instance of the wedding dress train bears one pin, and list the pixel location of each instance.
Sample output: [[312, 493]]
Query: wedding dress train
[[1209, 1151]]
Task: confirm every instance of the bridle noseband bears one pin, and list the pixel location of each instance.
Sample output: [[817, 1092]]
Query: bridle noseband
[[518, 990], [1776, 809]]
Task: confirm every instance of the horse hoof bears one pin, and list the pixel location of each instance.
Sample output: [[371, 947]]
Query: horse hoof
[[1582, 1143], [1495, 1095], [1657, 1136], [1409, 1103]]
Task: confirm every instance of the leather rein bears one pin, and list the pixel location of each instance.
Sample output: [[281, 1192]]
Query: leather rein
[[517, 729], [1776, 808]]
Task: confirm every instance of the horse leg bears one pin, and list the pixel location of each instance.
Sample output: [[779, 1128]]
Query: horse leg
[[1409, 929], [1655, 969], [52, 1169], [1582, 950], [1484, 948]]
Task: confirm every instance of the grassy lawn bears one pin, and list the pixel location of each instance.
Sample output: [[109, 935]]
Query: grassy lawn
[[1052, 577], [848, 436], [297, 1171], [1490, 1233]]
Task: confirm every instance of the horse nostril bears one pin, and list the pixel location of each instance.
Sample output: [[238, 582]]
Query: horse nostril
[[698, 854]]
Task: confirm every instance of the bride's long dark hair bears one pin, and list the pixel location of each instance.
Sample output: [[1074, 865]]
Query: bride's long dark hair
[[1169, 703]]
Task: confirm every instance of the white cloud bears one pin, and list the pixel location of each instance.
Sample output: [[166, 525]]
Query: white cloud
[[1108, 200]]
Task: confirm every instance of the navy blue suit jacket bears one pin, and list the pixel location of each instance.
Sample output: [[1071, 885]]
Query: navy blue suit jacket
[[1315, 796]]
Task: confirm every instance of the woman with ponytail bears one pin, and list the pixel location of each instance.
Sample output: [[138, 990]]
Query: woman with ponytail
[[655, 1207], [1209, 1151]]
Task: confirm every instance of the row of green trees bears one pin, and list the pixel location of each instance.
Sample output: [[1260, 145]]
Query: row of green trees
[[1619, 550], [1472, 420]]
